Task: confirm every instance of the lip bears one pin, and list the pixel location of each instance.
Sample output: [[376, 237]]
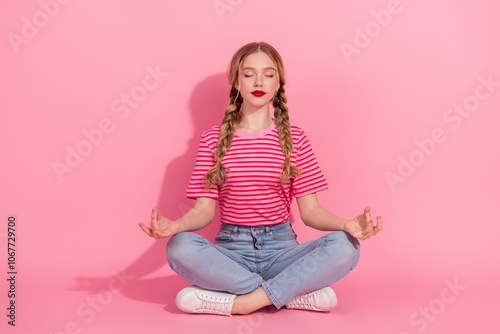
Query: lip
[[258, 93]]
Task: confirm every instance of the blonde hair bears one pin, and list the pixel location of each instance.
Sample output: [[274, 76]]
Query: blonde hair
[[217, 174]]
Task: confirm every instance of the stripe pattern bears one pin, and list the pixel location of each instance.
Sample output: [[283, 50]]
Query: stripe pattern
[[252, 194]]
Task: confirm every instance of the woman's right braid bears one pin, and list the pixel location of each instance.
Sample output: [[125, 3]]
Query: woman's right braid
[[217, 174]]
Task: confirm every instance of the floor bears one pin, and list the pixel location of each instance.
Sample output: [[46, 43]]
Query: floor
[[400, 301]]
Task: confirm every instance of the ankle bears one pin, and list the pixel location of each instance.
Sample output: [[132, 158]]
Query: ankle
[[239, 306], [245, 304]]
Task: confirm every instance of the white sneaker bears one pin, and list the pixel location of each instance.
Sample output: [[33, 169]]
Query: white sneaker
[[194, 299], [320, 300]]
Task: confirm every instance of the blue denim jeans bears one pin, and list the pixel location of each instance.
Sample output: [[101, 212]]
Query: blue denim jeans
[[243, 257]]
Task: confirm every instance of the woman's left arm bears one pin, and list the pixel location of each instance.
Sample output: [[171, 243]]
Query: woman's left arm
[[315, 216]]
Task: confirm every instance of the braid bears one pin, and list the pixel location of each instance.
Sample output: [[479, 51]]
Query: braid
[[284, 134], [217, 174]]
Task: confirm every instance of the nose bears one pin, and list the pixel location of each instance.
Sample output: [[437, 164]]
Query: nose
[[258, 81]]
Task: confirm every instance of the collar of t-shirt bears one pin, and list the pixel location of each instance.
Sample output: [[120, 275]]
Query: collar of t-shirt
[[259, 134]]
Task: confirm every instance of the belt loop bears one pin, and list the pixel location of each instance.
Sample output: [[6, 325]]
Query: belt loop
[[267, 229], [235, 229]]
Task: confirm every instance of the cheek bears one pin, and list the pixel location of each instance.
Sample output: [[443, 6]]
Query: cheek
[[246, 83], [275, 84]]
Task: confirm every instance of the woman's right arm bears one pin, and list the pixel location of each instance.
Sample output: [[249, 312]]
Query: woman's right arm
[[202, 214], [199, 216]]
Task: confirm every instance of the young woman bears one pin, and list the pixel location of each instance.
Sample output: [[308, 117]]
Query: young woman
[[254, 165]]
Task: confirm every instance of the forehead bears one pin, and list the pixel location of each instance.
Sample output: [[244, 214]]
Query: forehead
[[258, 60]]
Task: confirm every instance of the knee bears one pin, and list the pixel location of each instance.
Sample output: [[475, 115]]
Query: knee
[[346, 246], [179, 246]]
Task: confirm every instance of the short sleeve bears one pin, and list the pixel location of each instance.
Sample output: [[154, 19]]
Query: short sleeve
[[312, 179], [204, 161]]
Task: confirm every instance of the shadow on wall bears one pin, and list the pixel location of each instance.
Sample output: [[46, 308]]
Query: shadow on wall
[[208, 101]]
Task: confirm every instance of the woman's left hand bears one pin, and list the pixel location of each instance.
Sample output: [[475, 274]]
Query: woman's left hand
[[362, 227]]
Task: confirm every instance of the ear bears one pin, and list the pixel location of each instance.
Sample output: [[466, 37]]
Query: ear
[[237, 85]]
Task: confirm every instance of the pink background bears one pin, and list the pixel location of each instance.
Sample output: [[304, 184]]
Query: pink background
[[363, 112]]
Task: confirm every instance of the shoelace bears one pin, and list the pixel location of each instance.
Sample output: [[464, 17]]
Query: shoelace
[[215, 304], [305, 301]]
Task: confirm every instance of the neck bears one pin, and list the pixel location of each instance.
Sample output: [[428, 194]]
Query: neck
[[254, 119]]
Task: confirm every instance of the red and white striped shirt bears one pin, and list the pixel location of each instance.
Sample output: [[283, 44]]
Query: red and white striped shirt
[[252, 194]]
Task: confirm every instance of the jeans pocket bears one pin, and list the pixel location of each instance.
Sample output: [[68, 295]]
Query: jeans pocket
[[223, 236], [285, 234]]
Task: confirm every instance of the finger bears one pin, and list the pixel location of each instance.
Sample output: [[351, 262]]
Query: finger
[[367, 234], [378, 227], [379, 224], [367, 214], [369, 230], [156, 232], [146, 229], [154, 220]]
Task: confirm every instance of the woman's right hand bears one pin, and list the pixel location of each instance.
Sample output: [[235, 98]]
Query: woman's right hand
[[161, 227]]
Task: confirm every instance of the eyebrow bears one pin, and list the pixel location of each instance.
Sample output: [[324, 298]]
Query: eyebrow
[[253, 68]]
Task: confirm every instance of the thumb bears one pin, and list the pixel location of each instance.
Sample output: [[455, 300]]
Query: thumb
[[145, 229]]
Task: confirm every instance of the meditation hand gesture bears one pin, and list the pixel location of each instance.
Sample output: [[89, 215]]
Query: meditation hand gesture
[[362, 226], [161, 227]]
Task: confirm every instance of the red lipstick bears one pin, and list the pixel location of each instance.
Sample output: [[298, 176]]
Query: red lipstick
[[258, 93]]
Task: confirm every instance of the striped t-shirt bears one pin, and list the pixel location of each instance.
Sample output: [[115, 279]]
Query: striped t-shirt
[[252, 194]]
